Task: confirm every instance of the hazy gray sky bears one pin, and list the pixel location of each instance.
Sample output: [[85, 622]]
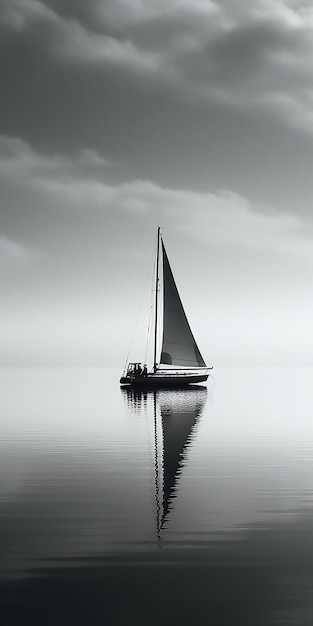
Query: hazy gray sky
[[119, 115]]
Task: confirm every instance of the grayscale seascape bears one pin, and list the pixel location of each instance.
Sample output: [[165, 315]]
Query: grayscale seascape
[[183, 506], [156, 230]]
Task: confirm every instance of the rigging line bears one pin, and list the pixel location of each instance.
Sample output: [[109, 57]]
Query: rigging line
[[140, 306], [149, 329]]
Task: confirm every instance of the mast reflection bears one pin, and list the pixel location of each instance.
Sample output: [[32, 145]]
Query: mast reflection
[[175, 416]]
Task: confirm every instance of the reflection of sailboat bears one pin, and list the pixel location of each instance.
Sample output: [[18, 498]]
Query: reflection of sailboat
[[136, 399], [180, 362], [180, 411]]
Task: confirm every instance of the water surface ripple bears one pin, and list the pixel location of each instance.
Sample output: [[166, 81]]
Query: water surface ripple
[[184, 506]]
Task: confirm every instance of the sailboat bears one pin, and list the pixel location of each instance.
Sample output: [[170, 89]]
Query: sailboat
[[180, 362]]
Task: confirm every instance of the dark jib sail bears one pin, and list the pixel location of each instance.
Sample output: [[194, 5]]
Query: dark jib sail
[[178, 346]]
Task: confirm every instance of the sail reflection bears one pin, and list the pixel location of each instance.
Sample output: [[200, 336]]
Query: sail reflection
[[180, 412], [175, 416]]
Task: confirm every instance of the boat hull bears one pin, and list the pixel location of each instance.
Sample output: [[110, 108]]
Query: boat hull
[[156, 381]]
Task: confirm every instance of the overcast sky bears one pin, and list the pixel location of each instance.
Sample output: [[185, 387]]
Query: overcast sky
[[120, 115]]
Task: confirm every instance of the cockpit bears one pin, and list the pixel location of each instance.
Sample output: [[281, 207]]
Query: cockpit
[[136, 369]]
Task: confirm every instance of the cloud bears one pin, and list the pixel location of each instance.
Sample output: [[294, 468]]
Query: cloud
[[20, 164], [253, 55], [245, 54], [223, 219], [127, 13], [69, 41], [18, 15], [249, 259], [15, 253]]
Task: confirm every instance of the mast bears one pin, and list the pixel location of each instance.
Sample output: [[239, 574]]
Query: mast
[[156, 301]]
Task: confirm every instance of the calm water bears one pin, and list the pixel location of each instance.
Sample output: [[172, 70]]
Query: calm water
[[178, 507]]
